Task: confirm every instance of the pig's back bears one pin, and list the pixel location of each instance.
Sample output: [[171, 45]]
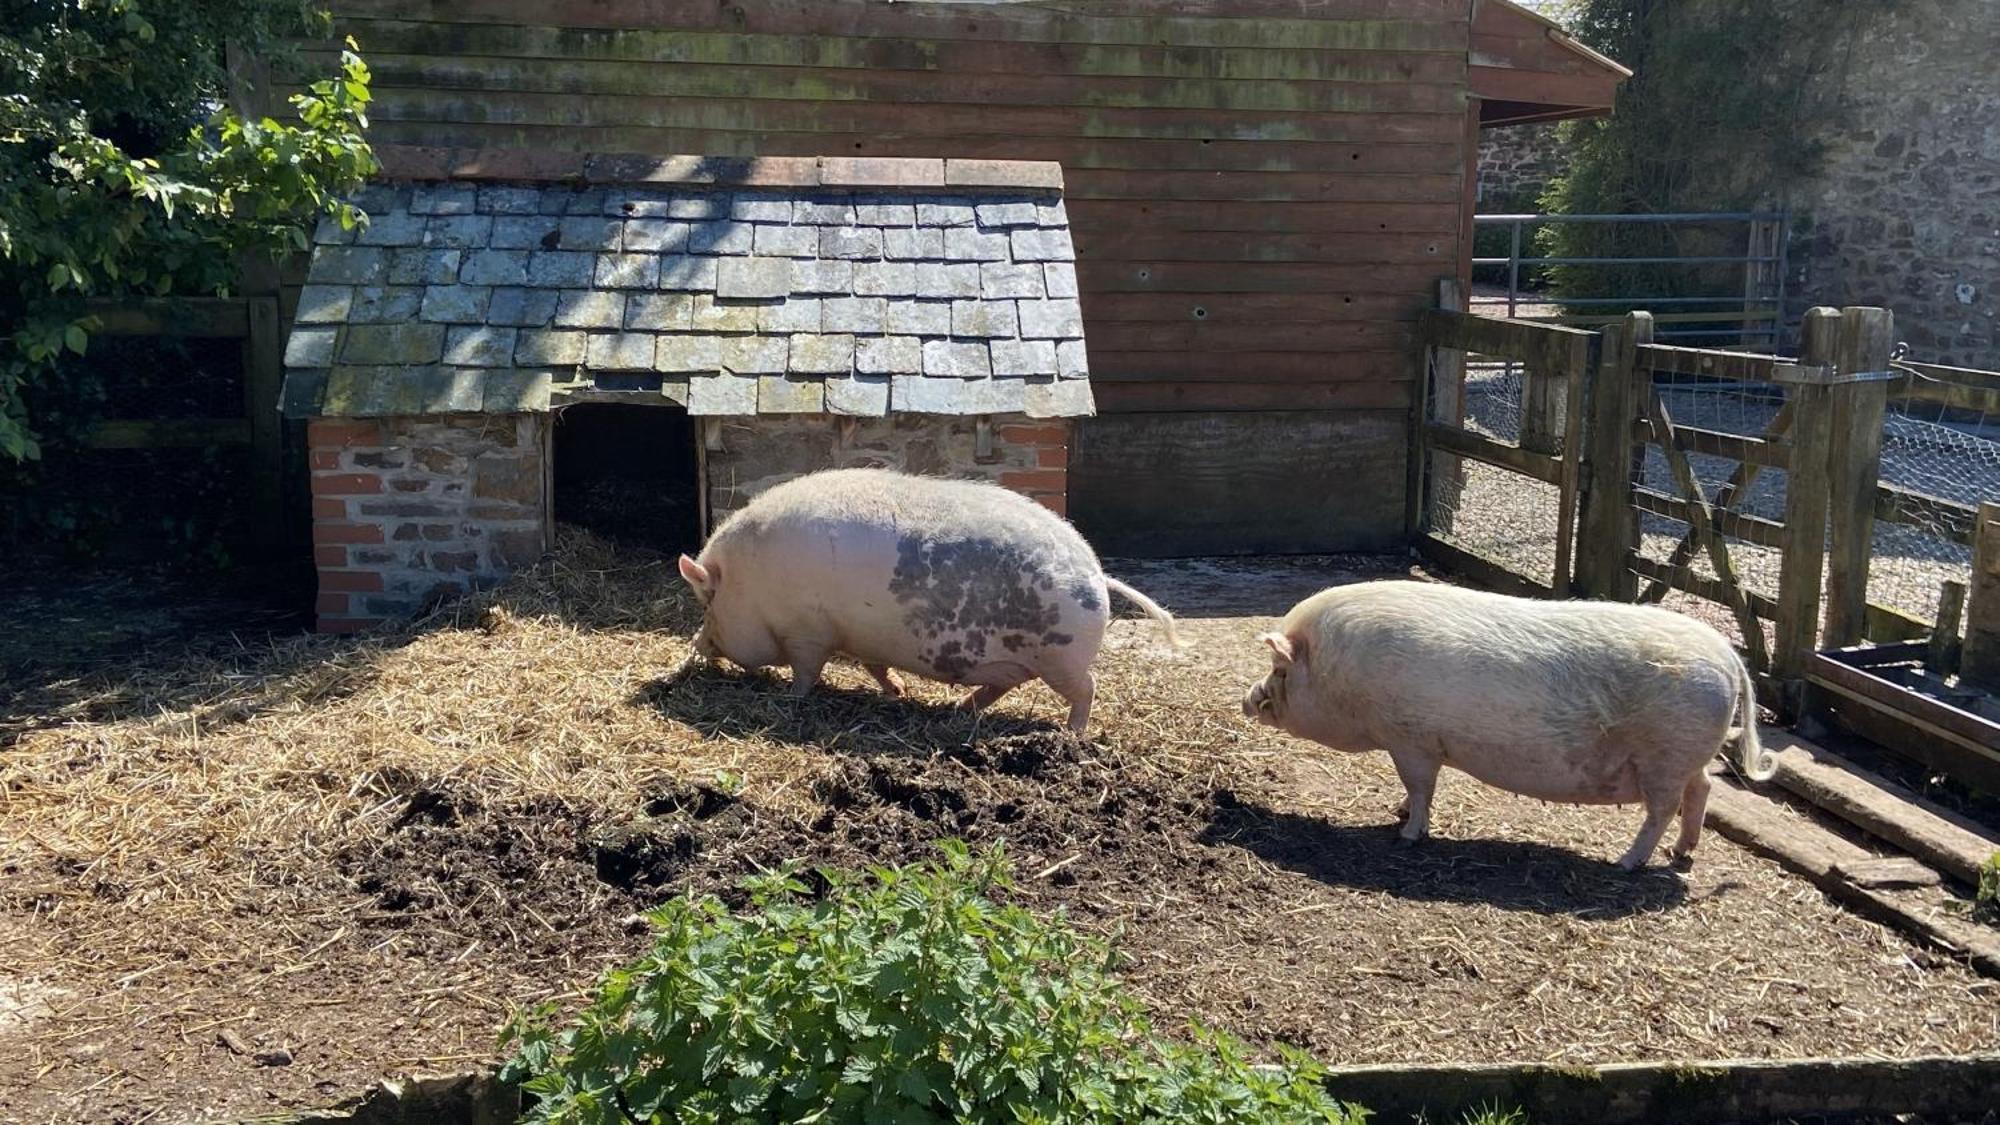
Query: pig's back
[[931, 575]]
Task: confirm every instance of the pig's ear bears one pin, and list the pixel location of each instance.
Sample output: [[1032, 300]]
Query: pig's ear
[[697, 576], [1281, 648]]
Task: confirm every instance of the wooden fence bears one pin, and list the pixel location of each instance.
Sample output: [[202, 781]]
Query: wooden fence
[[253, 321], [1605, 394]]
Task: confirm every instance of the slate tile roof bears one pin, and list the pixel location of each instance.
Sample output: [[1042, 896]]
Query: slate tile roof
[[743, 298]]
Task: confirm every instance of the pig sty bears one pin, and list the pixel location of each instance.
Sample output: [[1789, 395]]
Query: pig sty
[[1580, 702], [960, 581]]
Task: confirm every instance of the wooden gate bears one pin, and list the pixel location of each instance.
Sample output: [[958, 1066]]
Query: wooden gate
[[1553, 363]]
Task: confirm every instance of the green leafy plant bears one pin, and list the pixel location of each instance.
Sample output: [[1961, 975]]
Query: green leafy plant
[[122, 171], [909, 996]]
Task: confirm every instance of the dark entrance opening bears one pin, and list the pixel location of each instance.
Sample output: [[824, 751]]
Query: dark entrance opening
[[629, 474]]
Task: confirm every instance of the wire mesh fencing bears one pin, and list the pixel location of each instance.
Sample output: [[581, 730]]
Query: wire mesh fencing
[[1940, 460]]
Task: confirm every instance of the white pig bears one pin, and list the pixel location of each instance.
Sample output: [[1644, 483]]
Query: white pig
[[961, 581], [1579, 702]]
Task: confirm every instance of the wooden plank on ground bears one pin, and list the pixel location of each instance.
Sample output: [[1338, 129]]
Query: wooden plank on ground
[[1674, 1093], [1880, 807], [1809, 850]]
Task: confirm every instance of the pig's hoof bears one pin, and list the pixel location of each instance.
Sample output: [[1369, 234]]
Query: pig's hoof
[[1402, 841], [1682, 861]]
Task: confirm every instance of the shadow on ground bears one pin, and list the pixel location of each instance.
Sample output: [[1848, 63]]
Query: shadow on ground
[[1515, 875]]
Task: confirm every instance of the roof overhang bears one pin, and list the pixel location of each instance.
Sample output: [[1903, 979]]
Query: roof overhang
[[1525, 68]]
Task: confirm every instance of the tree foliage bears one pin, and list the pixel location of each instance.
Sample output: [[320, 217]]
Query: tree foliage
[[123, 171], [910, 997], [1726, 110]]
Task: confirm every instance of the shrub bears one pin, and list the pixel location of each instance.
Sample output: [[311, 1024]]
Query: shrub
[[910, 996]]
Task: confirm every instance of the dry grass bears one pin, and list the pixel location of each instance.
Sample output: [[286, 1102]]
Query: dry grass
[[364, 853]]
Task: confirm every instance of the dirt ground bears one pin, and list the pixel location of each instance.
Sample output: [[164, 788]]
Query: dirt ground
[[246, 875]]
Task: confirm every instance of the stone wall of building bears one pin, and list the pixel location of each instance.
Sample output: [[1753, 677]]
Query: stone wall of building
[[410, 510], [1029, 455], [1907, 211], [1515, 163]]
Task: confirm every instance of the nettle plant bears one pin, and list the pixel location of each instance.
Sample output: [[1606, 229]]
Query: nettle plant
[[906, 996], [123, 173]]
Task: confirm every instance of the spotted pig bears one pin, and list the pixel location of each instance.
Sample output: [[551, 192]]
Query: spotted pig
[[960, 581], [1579, 702]]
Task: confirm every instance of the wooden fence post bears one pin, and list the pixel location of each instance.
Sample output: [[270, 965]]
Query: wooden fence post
[[1575, 369], [1979, 661], [1440, 397], [1609, 526], [1866, 335], [1806, 496]]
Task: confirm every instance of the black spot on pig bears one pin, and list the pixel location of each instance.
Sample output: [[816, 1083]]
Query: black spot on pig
[[951, 663], [1085, 596], [1054, 638], [973, 584], [1014, 642]]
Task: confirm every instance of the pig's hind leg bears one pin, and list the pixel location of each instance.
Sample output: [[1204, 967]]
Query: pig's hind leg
[[1694, 806], [891, 683], [807, 661], [1662, 800], [998, 680], [1419, 774]]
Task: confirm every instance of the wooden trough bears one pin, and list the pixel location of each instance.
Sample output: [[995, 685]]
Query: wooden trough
[[1887, 694]]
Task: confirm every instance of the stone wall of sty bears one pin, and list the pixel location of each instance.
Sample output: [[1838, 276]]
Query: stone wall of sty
[[1030, 456], [410, 510], [1515, 163], [1906, 213]]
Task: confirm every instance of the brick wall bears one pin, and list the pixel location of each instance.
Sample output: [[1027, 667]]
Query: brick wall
[[406, 510], [1028, 455]]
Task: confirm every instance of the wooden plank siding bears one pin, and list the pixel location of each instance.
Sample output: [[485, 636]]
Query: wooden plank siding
[[1262, 192]]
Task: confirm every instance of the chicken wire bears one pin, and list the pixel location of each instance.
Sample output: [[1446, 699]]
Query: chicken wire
[[1944, 454]]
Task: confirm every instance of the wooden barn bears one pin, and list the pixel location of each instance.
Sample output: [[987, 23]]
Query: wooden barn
[[1262, 194]]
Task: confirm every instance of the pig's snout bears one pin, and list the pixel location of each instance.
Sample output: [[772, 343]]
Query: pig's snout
[[1259, 705]]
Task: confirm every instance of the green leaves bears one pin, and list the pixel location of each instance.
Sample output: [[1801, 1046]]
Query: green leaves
[[120, 176], [913, 997]]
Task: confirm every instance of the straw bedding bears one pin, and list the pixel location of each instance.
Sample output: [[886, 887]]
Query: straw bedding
[[238, 877]]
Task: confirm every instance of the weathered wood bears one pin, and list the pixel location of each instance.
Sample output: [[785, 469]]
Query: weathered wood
[[1947, 519], [1701, 524], [1800, 571], [1887, 624], [1740, 367], [1481, 571], [168, 433], [1540, 346], [1608, 530], [1887, 811], [1980, 660], [1252, 396], [1943, 656], [213, 317], [1960, 743], [1444, 375], [1582, 358], [263, 380], [1821, 857], [1764, 452], [1279, 482], [1684, 579], [1954, 396], [1479, 447], [1866, 335], [1964, 376], [1674, 1093], [1738, 525]]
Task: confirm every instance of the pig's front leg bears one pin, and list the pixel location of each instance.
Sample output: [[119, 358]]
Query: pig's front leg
[[1419, 773]]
